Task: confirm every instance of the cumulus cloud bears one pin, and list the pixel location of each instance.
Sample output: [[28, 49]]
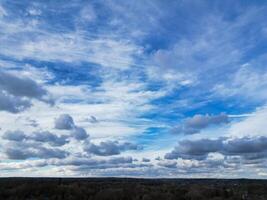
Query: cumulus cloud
[[198, 122], [168, 163], [194, 149], [64, 122], [52, 139], [145, 160], [14, 135], [25, 150], [245, 147], [41, 136], [13, 104], [79, 133], [16, 92], [21, 86], [109, 148]]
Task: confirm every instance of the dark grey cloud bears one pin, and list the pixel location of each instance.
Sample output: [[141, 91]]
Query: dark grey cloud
[[16, 92], [25, 150], [195, 149], [93, 119], [248, 148], [88, 163], [145, 160], [158, 158], [16, 135], [50, 138], [12, 103], [198, 122], [109, 148], [246, 145], [21, 86], [41, 136], [79, 133], [64, 122]]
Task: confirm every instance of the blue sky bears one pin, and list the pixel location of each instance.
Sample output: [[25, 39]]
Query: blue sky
[[133, 88]]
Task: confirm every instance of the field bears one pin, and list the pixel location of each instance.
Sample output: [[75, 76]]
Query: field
[[131, 189]]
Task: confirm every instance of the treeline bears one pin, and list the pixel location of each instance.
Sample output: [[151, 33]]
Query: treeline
[[130, 189]]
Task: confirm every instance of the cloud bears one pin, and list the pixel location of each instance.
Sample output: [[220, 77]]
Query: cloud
[[248, 82], [198, 122], [3, 12], [79, 133], [245, 147], [41, 136], [64, 122], [21, 86], [14, 135], [16, 92], [74, 163], [87, 14], [22, 151], [93, 119], [46, 136], [168, 164], [251, 125], [95, 163], [145, 160], [32, 122], [109, 148], [34, 11], [13, 104], [34, 37], [71, 47], [195, 149]]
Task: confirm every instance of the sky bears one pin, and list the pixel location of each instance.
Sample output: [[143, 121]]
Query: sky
[[143, 88]]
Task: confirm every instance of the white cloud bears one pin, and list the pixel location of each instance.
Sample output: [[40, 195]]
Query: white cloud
[[87, 14], [70, 47], [253, 125], [34, 11], [247, 82], [3, 12]]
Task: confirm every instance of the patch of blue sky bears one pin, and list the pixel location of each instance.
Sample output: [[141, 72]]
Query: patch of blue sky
[[70, 73], [154, 138], [173, 108]]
